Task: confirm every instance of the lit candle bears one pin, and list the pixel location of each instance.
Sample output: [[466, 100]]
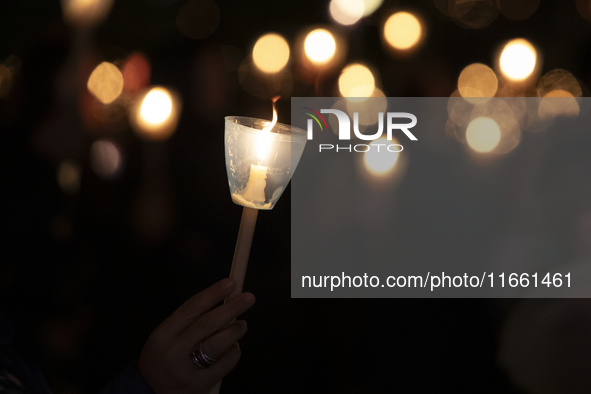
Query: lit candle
[[278, 152], [255, 188], [253, 194]]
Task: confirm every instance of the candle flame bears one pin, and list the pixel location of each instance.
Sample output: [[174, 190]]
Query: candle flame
[[264, 138], [274, 121]]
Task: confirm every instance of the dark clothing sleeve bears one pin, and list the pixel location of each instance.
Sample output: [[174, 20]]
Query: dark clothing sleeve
[[128, 382]]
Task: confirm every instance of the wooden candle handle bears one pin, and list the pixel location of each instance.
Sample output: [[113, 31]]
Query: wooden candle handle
[[240, 261], [242, 251]]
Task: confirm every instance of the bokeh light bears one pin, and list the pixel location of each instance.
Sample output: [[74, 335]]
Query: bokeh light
[[155, 114], [156, 107], [483, 134], [106, 159], [68, 176], [136, 73], [559, 80], [198, 19], [346, 12], [270, 53], [379, 160], [518, 60], [558, 103], [356, 80], [477, 80], [106, 82], [370, 6], [320, 46], [402, 30], [86, 13]]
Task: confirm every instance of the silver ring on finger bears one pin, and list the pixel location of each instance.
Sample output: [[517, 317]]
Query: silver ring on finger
[[201, 359]]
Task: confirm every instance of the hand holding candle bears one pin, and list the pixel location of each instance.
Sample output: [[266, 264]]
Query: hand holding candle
[[260, 155]]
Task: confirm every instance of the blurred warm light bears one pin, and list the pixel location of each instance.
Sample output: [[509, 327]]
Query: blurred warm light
[[106, 82], [477, 80], [459, 109], [505, 115], [197, 19], [136, 73], [356, 80], [68, 176], [270, 53], [483, 134], [518, 60], [320, 46], [156, 106], [518, 10], [380, 161], [155, 114], [370, 6], [559, 80], [402, 30], [559, 93], [106, 159], [86, 13], [346, 12], [558, 103]]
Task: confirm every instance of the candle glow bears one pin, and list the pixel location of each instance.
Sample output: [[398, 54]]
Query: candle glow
[[155, 114], [483, 134], [320, 46], [518, 60], [254, 191], [264, 138]]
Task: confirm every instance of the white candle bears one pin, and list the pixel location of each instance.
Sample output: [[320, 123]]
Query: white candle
[[253, 194], [255, 187]]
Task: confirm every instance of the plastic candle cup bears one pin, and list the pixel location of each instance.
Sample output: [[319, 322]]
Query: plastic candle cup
[[260, 160]]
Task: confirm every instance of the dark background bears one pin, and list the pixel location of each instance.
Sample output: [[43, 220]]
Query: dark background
[[84, 278]]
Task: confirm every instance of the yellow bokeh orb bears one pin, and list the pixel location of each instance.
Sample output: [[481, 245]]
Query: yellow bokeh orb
[[518, 60], [382, 156], [477, 80], [558, 103], [105, 82], [155, 113], [483, 134], [356, 80], [270, 53], [320, 46], [402, 30], [156, 106], [346, 12]]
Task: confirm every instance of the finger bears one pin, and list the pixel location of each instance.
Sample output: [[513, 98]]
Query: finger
[[219, 343], [223, 366], [215, 320], [196, 306]]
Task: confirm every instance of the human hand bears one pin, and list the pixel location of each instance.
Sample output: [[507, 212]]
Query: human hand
[[165, 361]]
